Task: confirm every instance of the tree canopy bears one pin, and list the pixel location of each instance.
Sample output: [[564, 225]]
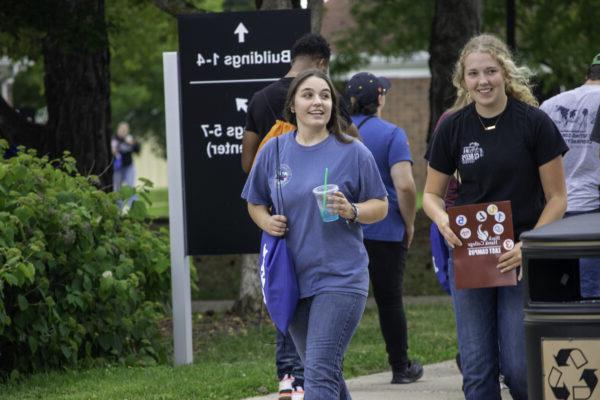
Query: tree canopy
[[551, 35], [138, 33], [554, 37]]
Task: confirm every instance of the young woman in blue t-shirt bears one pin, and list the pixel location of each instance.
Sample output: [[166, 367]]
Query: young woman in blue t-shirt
[[329, 257]]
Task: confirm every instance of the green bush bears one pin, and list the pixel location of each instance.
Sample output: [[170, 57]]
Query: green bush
[[81, 283]]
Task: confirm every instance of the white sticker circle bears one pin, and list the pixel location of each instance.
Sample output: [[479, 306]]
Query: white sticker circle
[[508, 244], [500, 216], [461, 220], [465, 233], [498, 229], [481, 216]]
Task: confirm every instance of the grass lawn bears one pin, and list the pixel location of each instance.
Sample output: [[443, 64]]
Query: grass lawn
[[234, 359], [160, 203]]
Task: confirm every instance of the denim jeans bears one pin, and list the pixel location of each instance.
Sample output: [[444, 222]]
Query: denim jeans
[[491, 339], [322, 328], [287, 359], [386, 270], [589, 269]]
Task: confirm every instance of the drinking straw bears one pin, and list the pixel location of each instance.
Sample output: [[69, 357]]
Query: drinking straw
[[325, 189]]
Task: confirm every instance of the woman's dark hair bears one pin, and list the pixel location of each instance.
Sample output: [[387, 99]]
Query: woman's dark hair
[[593, 72], [336, 125], [358, 108]]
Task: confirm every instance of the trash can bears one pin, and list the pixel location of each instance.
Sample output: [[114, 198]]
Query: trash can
[[562, 329]]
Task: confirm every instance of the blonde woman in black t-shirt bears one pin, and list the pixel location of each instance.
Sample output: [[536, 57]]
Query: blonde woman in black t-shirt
[[503, 148]]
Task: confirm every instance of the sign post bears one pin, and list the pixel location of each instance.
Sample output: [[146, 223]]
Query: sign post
[[180, 263]]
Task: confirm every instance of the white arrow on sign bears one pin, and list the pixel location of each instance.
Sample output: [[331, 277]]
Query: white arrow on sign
[[241, 32], [241, 104]]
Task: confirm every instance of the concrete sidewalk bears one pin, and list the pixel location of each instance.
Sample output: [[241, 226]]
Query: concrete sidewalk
[[441, 381]]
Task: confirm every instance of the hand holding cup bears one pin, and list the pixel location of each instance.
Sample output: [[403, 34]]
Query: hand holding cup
[[342, 205]]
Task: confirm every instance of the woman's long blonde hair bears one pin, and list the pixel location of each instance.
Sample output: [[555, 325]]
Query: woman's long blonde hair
[[516, 79]]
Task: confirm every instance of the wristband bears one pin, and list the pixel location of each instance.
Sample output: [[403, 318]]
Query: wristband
[[356, 213]]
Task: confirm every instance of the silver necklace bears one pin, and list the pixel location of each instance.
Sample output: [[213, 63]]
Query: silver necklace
[[491, 127]]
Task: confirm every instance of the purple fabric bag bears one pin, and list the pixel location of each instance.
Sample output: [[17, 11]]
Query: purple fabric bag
[[277, 273], [278, 280], [439, 255]]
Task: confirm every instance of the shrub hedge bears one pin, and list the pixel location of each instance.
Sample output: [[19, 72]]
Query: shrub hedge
[[81, 283]]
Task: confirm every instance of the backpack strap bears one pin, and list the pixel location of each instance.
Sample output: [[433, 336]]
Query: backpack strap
[[279, 194], [275, 117]]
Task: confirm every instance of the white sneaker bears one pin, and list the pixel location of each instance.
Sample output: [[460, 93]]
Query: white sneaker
[[285, 387], [502, 384], [298, 393]]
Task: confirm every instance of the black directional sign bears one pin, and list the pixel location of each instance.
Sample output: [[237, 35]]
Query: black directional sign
[[223, 59]]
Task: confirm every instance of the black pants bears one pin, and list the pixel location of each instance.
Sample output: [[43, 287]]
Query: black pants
[[386, 269]]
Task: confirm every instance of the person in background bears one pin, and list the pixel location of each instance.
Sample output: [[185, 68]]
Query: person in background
[[504, 148], [387, 241], [574, 113], [265, 119], [329, 257], [123, 146]]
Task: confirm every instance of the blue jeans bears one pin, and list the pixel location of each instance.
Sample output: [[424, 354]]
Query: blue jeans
[[589, 269], [322, 328], [287, 359], [491, 339]]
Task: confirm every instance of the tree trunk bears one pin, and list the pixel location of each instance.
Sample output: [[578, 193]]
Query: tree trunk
[[176, 7], [77, 82], [273, 4], [454, 23], [249, 299], [77, 87], [316, 15]]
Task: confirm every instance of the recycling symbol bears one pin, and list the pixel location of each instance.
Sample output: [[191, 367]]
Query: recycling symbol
[[583, 389]]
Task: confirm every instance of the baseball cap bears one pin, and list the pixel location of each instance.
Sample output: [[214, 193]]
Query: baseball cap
[[596, 60], [366, 87]]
